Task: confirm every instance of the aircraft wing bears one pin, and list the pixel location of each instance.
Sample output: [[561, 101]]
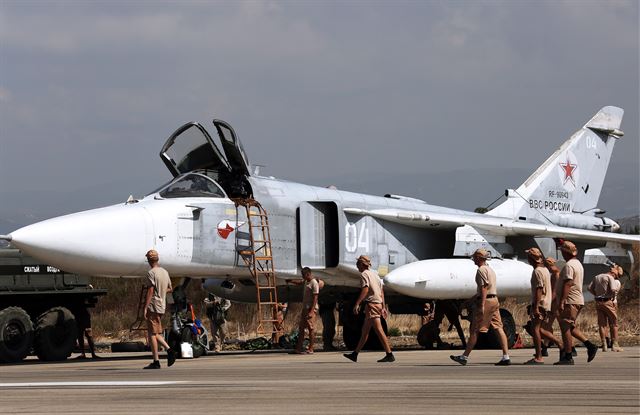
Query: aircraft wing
[[492, 224]]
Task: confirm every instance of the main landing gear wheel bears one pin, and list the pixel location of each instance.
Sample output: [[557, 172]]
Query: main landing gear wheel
[[16, 334], [428, 335], [489, 340], [352, 329], [56, 334]]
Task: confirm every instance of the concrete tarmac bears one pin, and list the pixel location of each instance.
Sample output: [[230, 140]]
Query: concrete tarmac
[[278, 383]]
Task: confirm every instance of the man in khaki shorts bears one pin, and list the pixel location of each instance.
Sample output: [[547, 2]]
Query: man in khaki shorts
[[372, 294], [569, 304], [616, 288], [540, 302], [311, 291], [158, 285], [547, 325], [487, 310], [602, 288]]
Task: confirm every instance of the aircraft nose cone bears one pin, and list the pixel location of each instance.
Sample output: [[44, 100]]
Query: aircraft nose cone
[[107, 241]]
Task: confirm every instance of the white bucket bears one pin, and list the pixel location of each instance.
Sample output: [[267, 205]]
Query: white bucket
[[186, 351]]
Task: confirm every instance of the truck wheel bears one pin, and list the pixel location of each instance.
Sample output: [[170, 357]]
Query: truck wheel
[[56, 334], [16, 334]]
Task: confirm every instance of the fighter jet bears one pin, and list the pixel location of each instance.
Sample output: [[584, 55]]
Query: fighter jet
[[198, 224]]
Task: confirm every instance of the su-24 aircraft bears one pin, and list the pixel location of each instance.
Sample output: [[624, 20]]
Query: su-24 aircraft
[[421, 250]]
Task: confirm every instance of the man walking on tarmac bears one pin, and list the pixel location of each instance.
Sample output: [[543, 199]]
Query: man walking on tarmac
[[372, 294], [158, 285], [486, 312], [570, 303], [540, 302]]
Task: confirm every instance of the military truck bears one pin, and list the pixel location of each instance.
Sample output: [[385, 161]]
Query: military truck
[[37, 307]]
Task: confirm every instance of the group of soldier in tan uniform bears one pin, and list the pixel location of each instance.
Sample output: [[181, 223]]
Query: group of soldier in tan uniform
[[555, 295]]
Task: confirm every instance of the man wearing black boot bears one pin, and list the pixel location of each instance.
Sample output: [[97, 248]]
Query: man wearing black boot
[[570, 303], [373, 295]]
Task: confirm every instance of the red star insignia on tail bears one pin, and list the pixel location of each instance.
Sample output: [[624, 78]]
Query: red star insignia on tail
[[568, 169]]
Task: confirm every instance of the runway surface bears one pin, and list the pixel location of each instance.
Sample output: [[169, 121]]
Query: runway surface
[[278, 383]]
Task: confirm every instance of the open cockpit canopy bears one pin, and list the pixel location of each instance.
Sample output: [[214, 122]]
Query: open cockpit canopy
[[191, 148]]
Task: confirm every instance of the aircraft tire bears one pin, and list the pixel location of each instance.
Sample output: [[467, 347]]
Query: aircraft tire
[[352, 329], [350, 336], [428, 335], [489, 340], [55, 335], [127, 347], [16, 334], [509, 326]]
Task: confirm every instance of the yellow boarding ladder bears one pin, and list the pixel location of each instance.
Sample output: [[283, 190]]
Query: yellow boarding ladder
[[258, 257]]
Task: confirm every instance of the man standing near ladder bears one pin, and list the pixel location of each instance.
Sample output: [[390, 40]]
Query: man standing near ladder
[[311, 290]]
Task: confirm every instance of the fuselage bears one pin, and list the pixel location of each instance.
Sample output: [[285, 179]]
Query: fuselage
[[111, 241]]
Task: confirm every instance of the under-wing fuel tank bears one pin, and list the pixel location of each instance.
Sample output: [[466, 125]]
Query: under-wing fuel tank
[[454, 278]]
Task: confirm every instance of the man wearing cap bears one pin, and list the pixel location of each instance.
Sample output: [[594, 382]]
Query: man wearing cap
[[570, 302], [540, 301], [158, 285], [372, 294], [602, 288], [487, 310]]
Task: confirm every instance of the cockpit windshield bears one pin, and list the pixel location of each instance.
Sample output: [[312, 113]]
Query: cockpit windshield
[[191, 185]]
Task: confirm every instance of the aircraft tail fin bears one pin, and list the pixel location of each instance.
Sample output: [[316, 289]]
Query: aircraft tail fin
[[570, 180]]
